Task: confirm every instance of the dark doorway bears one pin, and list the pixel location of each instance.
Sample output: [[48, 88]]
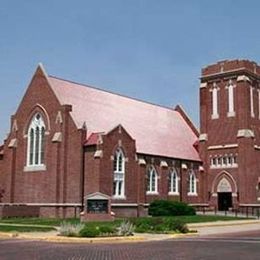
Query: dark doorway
[[224, 200]]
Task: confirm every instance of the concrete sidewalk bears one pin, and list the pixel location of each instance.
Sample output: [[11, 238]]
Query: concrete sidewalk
[[224, 227]]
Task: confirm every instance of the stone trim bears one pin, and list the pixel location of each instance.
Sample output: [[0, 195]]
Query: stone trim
[[231, 114], [163, 164], [141, 162], [243, 78], [203, 85], [225, 146], [203, 137], [124, 204], [13, 143], [184, 166], [98, 154], [34, 168], [57, 137], [247, 133]]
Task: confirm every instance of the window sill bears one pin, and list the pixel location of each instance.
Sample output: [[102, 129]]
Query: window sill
[[231, 114], [174, 193], [193, 194], [116, 197], [214, 116], [152, 193], [235, 165], [34, 168]]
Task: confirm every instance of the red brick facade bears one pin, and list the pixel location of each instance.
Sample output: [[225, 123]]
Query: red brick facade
[[76, 165], [231, 135]]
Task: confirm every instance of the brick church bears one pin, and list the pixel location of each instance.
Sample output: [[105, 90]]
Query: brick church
[[68, 140]]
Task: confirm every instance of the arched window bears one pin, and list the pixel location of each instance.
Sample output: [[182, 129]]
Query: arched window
[[119, 174], [152, 181], [36, 140], [192, 188], [173, 182]]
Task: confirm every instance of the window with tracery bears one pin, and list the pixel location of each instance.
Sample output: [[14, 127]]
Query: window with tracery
[[173, 182], [192, 185], [119, 174], [36, 141], [152, 180]]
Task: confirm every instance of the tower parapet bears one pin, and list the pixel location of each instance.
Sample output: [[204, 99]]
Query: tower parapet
[[229, 67]]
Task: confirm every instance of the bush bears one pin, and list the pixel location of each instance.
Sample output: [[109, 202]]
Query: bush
[[177, 225], [68, 229], [159, 225], [126, 229], [89, 231], [170, 208], [107, 230]]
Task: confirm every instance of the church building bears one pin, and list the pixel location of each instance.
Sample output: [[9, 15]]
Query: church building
[[68, 140]]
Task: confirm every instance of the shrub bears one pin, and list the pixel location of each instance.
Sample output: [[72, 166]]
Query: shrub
[[159, 225], [126, 228], [89, 231], [170, 208], [107, 230], [68, 229], [177, 225]]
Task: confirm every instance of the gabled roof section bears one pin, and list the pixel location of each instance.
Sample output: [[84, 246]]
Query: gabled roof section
[[157, 130], [181, 110], [120, 128], [93, 139]]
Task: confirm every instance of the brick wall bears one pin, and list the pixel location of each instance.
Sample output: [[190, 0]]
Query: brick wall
[[224, 130]]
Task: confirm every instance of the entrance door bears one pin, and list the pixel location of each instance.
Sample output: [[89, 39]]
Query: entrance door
[[224, 200]]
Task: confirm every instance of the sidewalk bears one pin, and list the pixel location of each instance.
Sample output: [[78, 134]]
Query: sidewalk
[[224, 227]]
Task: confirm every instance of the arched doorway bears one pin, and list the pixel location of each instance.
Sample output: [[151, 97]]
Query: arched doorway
[[224, 189]]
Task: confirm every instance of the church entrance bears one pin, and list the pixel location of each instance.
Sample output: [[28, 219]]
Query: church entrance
[[225, 192], [224, 200]]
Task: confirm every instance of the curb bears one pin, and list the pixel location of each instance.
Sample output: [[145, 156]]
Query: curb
[[61, 239], [93, 240]]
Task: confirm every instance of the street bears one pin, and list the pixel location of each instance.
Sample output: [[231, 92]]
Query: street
[[245, 245]]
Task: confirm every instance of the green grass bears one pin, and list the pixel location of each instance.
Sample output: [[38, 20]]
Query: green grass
[[38, 221], [10, 228], [57, 222], [205, 218]]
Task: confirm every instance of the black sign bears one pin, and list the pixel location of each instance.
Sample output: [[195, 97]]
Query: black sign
[[97, 206]]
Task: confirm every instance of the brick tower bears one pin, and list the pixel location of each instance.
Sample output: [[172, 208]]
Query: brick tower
[[230, 133]]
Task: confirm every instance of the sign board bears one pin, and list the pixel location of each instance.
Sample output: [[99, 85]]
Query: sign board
[[97, 206]]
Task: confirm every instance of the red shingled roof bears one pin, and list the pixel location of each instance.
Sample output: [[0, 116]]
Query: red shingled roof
[[92, 139], [157, 130]]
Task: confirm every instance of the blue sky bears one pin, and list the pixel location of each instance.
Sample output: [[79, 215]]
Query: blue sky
[[148, 49]]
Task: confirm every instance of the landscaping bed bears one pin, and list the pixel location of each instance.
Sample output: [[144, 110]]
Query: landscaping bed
[[159, 225]]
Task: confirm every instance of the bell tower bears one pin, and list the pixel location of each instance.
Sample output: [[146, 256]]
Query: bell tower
[[230, 132]]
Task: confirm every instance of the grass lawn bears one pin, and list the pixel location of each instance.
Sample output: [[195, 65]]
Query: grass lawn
[[56, 222], [10, 228], [38, 221], [205, 218]]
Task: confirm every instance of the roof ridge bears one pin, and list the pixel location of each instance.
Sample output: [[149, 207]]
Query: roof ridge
[[113, 93]]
